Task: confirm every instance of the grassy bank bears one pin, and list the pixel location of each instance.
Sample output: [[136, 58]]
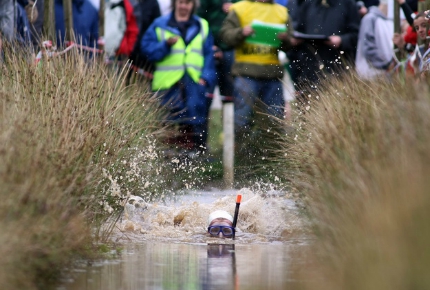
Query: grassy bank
[[68, 131], [359, 157]]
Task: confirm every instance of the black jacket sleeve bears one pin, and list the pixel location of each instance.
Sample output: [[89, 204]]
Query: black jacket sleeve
[[407, 10]]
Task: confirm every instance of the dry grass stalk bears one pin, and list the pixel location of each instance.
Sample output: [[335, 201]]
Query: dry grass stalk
[[61, 122], [361, 161]]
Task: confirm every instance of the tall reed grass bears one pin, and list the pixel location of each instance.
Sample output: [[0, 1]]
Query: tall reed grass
[[360, 158], [66, 126]]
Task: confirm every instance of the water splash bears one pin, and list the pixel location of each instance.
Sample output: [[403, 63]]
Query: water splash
[[268, 217], [154, 211]]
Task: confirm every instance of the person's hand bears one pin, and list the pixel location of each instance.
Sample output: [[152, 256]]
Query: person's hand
[[296, 41], [202, 82], [217, 52], [334, 41], [392, 65], [172, 40], [226, 7], [398, 40], [247, 31], [283, 36]]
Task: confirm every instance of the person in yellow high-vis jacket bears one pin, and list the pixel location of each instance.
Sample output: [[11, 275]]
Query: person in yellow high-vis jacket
[[256, 68], [180, 45]]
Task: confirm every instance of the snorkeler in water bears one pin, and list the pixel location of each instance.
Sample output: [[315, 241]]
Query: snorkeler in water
[[220, 224]]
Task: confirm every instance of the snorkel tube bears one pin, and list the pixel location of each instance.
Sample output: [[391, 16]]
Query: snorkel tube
[[236, 213]]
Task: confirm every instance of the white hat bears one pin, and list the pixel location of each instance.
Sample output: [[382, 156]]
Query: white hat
[[219, 214]]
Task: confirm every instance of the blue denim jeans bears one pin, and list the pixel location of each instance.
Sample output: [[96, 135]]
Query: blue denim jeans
[[247, 91]]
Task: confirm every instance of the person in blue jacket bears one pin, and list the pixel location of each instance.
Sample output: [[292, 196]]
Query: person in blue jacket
[[85, 22], [7, 24], [22, 34], [180, 45]]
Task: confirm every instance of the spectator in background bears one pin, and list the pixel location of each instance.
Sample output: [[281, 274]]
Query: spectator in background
[[215, 11], [148, 11], [123, 42], [339, 21], [408, 32], [131, 31], [407, 40], [257, 69], [375, 46], [418, 61], [407, 11], [421, 25], [36, 23], [413, 4], [180, 44], [367, 3], [294, 55], [85, 22], [298, 55], [14, 21], [362, 9], [7, 19], [30, 8], [285, 60], [23, 13]]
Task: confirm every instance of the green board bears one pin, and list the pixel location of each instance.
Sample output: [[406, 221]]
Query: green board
[[266, 33]]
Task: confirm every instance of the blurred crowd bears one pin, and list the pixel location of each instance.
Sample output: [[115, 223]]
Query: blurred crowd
[[184, 49]]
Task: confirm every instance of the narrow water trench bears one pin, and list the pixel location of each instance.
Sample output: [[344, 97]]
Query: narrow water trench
[[165, 246]]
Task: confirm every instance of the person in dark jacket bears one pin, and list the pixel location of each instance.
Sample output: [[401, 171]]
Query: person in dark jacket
[[293, 54], [147, 11], [85, 22], [37, 23], [215, 11], [339, 21], [22, 33]]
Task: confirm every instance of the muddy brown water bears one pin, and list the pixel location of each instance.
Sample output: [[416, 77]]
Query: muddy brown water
[[165, 246]]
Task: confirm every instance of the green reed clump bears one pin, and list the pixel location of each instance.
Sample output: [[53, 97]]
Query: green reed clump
[[359, 157], [63, 123]]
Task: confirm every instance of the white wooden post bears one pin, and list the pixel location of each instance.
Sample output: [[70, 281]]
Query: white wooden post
[[228, 144]]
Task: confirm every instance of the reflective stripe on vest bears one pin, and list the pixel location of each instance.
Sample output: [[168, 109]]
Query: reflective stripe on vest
[[182, 58], [248, 11]]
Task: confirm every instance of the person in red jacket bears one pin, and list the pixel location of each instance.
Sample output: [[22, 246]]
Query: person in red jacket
[[131, 31]]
